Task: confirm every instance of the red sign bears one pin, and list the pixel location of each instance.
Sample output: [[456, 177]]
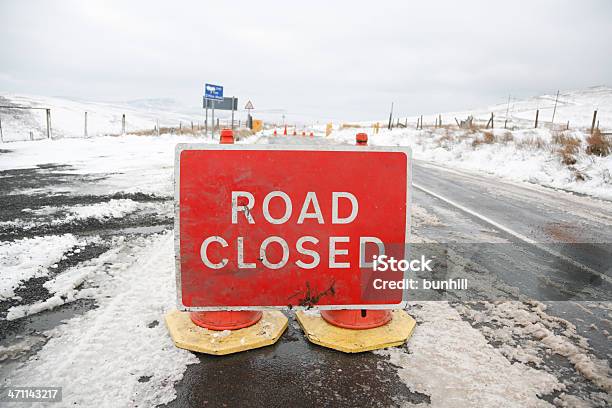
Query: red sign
[[261, 226]]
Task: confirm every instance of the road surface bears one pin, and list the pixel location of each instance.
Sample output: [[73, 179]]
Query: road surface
[[536, 247]]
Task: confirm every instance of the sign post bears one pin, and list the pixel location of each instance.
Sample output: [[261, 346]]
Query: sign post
[[248, 107], [212, 93]]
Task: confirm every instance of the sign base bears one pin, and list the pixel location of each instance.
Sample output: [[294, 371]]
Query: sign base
[[394, 333], [187, 335]]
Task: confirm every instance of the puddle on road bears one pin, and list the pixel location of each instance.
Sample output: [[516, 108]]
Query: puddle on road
[[22, 338], [295, 373]]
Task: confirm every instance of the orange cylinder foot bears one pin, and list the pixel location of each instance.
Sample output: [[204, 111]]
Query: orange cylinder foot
[[357, 319], [222, 320]]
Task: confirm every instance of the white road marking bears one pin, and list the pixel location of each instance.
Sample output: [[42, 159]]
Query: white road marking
[[514, 233]]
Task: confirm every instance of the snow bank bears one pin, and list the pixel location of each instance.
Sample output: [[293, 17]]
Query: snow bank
[[98, 358], [514, 155], [27, 258], [103, 118], [460, 368], [123, 164]]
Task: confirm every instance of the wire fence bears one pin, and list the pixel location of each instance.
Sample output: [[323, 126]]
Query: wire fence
[[25, 123]]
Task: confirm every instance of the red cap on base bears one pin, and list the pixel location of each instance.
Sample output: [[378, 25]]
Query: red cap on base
[[227, 136], [361, 138]]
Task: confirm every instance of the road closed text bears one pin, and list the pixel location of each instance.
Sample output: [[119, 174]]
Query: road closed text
[[308, 247]]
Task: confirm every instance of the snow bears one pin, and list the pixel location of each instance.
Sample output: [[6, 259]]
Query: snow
[[513, 155], [450, 357], [574, 105], [103, 118], [516, 160], [460, 368], [528, 331], [125, 164], [27, 258], [103, 211], [87, 355]]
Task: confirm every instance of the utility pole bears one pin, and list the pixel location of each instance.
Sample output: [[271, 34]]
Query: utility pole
[[552, 121], [390, 116]]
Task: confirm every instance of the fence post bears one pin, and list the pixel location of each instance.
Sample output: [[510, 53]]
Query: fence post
[[123, 124], [421, 122], [48, 123], [536, 120], [594, 118], [180, 128], [157, 126], [552, 121], [1, 136], [233, 105], [567, 127], [85, 126], [492, 120]]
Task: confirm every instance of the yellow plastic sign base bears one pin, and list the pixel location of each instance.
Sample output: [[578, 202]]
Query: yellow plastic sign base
[[187, 335], [394, 333]]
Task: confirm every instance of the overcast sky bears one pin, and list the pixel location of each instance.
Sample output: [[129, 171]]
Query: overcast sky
[[324, 60]]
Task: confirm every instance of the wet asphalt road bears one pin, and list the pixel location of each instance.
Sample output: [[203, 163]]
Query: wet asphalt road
[[294, 372]]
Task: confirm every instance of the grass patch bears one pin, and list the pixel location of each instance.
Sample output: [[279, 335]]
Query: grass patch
[[598, 144]]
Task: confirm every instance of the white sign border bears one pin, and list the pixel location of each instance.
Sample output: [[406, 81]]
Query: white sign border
[[180, 147]]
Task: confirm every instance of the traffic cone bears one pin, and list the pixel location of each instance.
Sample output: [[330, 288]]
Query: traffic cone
[[275, 132], [294, 132], [303, 133], [311, 134], [285, 131], [354, 331], [192, 330]]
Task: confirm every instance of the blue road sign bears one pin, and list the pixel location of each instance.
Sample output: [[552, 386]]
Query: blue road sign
[[213, 92]]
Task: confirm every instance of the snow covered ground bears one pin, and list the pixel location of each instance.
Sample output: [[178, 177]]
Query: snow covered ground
[[103, 118], [514, 155], [88, 222]]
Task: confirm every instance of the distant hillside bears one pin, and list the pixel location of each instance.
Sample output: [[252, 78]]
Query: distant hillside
[[67, 116], [575, 106]]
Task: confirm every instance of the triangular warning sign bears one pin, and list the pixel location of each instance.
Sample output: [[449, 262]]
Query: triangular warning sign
[[249, 105]]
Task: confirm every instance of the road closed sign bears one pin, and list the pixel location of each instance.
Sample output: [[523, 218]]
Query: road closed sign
[[269, 226]]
